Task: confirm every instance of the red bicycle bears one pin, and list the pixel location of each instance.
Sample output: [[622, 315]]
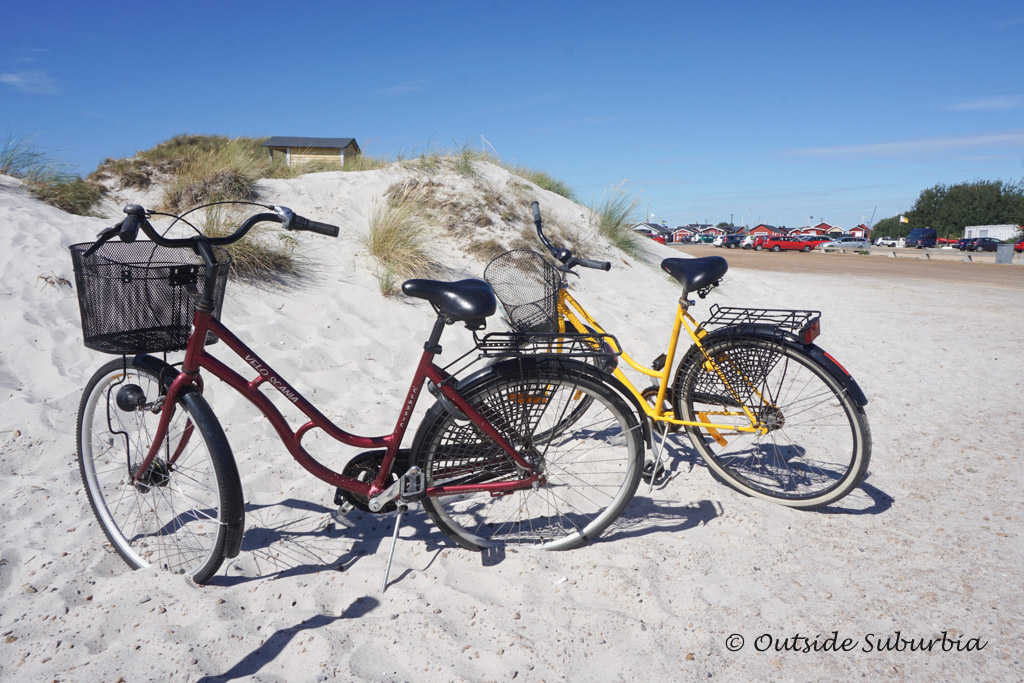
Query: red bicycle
[[494, 461]]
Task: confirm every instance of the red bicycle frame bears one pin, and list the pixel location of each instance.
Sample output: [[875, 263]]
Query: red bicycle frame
[[196, 358]]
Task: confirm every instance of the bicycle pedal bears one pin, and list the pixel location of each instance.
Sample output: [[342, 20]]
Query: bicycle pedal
[[413, 486]]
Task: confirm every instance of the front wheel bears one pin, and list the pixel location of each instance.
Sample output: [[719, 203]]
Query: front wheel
[[758, 248], [815, 443], [806, 249], [590, 462], [175, 516], [776, 248]]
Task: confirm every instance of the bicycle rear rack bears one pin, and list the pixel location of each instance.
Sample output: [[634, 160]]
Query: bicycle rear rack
[[571, 345], [804, 325]]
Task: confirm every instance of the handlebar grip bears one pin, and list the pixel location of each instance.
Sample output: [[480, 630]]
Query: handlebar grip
[[536, 212], [300, 223], [596, 265], [129, 229]]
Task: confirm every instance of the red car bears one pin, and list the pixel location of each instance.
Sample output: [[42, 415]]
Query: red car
[[1019, 247], [814, 239], [785, 243]]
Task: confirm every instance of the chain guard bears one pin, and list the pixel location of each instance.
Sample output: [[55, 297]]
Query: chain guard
[[364, 467], [650, 394]]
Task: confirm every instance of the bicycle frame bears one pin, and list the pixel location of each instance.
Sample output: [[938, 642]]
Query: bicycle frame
[[197, 358], [572, 311]]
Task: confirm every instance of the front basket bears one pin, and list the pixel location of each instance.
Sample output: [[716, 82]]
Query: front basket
[[139, 297]]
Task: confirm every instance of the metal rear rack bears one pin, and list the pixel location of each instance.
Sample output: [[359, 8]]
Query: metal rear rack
[[781, 323], [566, 345]]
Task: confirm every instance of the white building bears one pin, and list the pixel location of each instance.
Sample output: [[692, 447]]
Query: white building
[[1000, 232]]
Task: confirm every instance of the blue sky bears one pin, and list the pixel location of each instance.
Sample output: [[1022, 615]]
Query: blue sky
[[763, 112]]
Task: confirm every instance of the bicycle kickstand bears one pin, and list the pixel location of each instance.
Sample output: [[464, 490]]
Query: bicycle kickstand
[[402, 507], [412, 487]]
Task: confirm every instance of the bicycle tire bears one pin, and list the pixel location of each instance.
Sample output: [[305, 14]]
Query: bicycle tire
[[591, 466], [805, 463], [176, 517]]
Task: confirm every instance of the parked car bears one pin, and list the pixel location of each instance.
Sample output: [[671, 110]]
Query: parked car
[[748, 241], [922, 237], [963, 243], [707, 239], [786, 243], [814, 239], [890, 242], [718, 240], [1019, 247], [984, 244], [845, 242], [730, 241]]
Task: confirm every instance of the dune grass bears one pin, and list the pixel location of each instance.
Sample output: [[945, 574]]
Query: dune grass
[[212, 169], [265, 256], [397, 237], [615, 215], [47, 178]]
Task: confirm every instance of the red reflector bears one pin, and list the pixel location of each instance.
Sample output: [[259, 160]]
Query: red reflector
[[811, 332], [837, 363]]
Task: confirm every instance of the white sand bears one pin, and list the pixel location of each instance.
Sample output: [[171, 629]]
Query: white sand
[[930, 543]]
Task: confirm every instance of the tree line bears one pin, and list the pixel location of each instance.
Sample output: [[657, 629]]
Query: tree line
[[950, 208]]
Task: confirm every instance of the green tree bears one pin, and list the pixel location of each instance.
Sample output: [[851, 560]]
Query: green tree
[[949, 208]]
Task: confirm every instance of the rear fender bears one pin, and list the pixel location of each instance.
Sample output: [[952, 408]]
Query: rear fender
[[517, 364], [771, 334]]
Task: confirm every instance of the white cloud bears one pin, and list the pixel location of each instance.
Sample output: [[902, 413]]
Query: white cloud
[[997, 103], [35, 82], [905, 147]]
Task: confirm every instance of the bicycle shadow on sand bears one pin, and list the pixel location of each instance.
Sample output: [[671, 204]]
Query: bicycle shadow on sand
[[250, 664], [295, 537], [679, 458]]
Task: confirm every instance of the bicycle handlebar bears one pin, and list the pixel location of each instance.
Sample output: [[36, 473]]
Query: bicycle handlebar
[[564, 255], [128, 229]]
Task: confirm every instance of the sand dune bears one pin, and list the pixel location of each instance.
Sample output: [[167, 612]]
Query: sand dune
[[930, 543]]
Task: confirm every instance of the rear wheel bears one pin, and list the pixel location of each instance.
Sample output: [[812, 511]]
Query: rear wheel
[[175, 516], [776, 248], [806, 249], [817, 444], [590, 464], [759, 247]]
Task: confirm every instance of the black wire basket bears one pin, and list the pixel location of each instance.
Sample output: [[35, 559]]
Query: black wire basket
[[140, 297], [527, 287]]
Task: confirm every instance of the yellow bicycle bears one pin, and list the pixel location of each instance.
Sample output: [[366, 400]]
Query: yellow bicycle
[[771, 413]]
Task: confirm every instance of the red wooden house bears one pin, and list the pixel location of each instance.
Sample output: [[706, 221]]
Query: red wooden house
[[713, 230], [861, 231], [824, 228], [764, 230], [682, 233]]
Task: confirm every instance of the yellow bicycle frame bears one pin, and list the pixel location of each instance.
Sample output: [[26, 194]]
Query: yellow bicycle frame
[[570, 310]]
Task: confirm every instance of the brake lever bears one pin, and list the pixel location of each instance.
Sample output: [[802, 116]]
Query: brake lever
[[102, 237], [286, 214]]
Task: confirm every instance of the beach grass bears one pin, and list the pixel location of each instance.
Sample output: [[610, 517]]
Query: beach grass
[[266, 255], [614, 215], [397, 238], [47, 178]]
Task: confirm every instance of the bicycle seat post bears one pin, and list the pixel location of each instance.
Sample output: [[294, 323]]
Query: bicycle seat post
[[432, 344]]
